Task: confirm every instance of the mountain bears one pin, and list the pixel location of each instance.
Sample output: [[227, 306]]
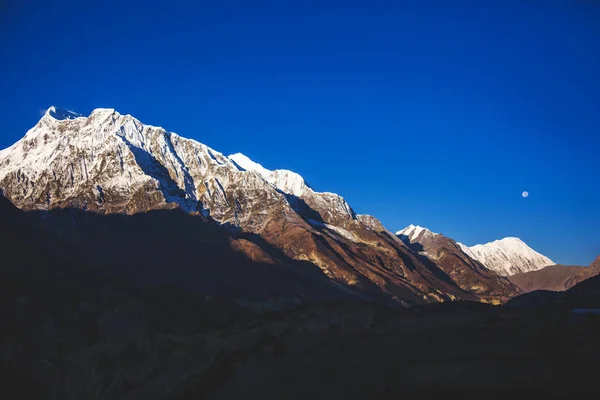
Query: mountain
[[109, 163], [77, 249], [468, 273], [583, 297], [137, 266], [78, 288], [555, 277], [417, 234], [507, 256]]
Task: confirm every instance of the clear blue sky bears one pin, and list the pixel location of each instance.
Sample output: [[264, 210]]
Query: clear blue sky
[[435, 113]]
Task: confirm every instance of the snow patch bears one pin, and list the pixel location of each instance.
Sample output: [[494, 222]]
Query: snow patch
[[340, 231]]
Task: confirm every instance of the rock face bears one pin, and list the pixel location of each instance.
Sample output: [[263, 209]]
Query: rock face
[[555, 277], [508, 256], [109, 163], [469, 274]]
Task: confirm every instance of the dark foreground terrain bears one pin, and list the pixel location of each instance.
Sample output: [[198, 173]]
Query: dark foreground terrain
[[164, 345]]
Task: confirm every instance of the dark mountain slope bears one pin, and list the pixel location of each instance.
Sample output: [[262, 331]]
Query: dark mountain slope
[[584, 295], [555, 277]]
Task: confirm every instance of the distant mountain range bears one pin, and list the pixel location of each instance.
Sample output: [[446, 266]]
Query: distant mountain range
[[178, 211], [506, 257], [555, 277], [509, 257]]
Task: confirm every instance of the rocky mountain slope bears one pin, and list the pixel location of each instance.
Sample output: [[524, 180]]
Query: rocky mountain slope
[[504, 256], [448, 255], [555, 277], [507, 256], [109, 163]]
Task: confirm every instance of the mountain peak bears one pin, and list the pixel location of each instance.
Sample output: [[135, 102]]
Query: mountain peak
[[509, 239], [61, 113], [413, 232], [246, 164], [287, 181], [596, 263], [103, 111], [507, 256]]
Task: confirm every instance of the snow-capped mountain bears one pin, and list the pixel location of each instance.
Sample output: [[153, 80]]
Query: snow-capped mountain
[[332, 207], [113, 163], [469, 273], [508, 256], [110, 162], [416, 233]]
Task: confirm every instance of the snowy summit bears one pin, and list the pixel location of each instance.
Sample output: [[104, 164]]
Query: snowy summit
[[508, 256], [112, 162], [413, 233], [61, 114]]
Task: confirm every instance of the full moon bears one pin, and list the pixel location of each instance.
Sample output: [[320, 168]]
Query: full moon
[[525, 194]]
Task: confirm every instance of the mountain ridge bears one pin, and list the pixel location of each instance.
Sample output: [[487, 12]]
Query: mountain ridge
[[449, 256], [109, 163], [506, 256]]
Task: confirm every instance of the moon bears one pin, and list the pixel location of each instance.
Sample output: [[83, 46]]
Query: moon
[[525, 194]]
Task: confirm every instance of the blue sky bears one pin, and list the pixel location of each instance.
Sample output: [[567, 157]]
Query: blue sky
[[419, 112]]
